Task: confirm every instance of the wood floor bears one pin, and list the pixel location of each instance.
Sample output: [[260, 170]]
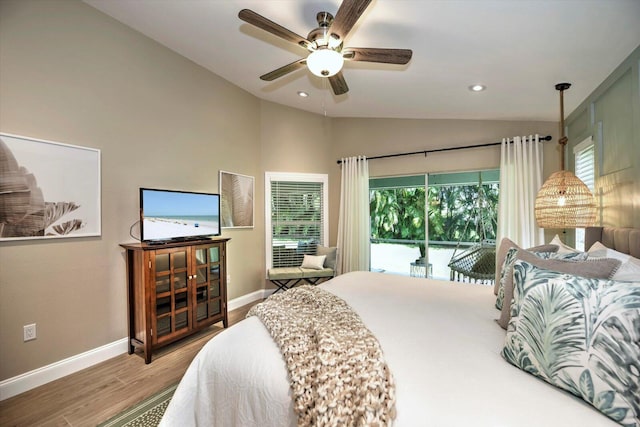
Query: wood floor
[[95, 394]]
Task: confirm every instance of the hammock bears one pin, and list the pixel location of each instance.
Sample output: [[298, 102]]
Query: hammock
[[478, 262]]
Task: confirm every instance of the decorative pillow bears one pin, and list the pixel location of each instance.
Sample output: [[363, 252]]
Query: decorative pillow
[[630, 268], [314, 262], [598, 250], [510, 258], [581, 335], [574, 256], [602, 268], [562, 247], [505, 245], [330, 261]]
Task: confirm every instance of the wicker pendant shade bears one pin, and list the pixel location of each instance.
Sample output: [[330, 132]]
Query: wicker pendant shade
[[564, 201]]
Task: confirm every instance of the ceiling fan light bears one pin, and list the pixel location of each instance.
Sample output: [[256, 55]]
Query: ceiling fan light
[[325, 62], [334, 41]]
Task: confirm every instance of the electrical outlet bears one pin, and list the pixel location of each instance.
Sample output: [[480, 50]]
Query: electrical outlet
[[29, 332]]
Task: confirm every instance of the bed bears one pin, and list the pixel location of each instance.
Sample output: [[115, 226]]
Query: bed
[[440, 341]]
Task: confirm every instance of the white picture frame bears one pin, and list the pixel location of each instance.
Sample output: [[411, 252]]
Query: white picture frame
[[48, 190], [236, 200]]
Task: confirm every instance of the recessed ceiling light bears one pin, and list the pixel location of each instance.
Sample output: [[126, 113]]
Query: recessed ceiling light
[[302, 94], [477, 88]]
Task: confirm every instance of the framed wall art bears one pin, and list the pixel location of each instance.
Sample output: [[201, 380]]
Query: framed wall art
[[48, 189], [236, 204]]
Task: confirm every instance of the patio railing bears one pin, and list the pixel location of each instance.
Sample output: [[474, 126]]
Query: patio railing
[[401, 256]]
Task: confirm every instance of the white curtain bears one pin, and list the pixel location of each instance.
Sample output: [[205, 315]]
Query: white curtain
[[353, 223], [520, 180]]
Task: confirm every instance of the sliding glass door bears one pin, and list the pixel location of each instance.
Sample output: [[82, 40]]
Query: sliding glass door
[[463, 210], [398, 226], [418, 222]]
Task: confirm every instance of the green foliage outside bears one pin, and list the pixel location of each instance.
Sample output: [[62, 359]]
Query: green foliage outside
[[398, 213], [454, 215], [463, 213]]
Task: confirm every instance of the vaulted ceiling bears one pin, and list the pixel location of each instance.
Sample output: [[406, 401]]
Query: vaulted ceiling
[[518, 49]]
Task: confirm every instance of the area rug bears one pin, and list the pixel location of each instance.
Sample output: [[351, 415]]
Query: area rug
[[147, 413]]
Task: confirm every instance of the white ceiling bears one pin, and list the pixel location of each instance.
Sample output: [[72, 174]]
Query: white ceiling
[[519, 49]]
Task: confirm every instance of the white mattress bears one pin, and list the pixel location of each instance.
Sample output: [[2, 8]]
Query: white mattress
[[440, 341]]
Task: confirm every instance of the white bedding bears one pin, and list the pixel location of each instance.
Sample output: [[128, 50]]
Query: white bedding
[[439, 339]]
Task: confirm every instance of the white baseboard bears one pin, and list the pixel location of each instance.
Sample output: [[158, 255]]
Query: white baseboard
[[32, 379], [248, 298]]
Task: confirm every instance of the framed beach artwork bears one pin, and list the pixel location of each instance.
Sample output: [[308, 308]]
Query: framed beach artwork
[[236, 205], [48, 190]]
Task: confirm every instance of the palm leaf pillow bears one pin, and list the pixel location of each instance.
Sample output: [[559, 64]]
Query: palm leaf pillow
[[501, 253], [581, 335], [512, 256], [601, 268]]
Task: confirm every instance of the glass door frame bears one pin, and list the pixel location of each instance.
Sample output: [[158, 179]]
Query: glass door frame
[[426, 181]]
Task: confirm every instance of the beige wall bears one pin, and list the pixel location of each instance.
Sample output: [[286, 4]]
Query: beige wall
[[374, 137], [292, 141], [71, 74]]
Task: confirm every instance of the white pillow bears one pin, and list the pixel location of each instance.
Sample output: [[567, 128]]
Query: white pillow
[[314, 262], [630, 268], [598, 250], [628, 271], [562, 248]]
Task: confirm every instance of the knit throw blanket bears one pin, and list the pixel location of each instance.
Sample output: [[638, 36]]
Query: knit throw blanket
[[337, 373]]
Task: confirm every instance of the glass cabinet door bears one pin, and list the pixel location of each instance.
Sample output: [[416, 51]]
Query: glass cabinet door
[[171, 292], [208, 274]]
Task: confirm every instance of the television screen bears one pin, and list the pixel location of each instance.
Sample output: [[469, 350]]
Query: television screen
[[177, 215]]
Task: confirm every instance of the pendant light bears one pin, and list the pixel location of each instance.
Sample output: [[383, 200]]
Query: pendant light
[[564, 201]]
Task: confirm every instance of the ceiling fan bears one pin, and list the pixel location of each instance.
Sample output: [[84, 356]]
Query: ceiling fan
[[325, 44]]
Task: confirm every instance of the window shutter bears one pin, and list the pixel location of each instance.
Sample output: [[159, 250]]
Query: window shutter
[[297, 221], [585, 170], [585, 166]]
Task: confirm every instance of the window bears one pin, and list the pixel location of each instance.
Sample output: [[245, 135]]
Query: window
[[296, 211], [398, 228], [459, 211], [415, 225], [585, 170]]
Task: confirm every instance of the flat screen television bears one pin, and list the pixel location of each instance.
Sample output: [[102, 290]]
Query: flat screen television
[[169, 215]]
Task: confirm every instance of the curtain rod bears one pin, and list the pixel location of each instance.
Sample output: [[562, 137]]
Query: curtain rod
[[437, 150]]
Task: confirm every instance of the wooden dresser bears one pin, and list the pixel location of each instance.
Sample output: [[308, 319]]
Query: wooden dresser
[[174, 290]]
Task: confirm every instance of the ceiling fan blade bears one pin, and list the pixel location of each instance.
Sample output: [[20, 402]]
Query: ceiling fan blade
[[374, 54], [263, 23], [347, 15], [338, 84], [277, 73]]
